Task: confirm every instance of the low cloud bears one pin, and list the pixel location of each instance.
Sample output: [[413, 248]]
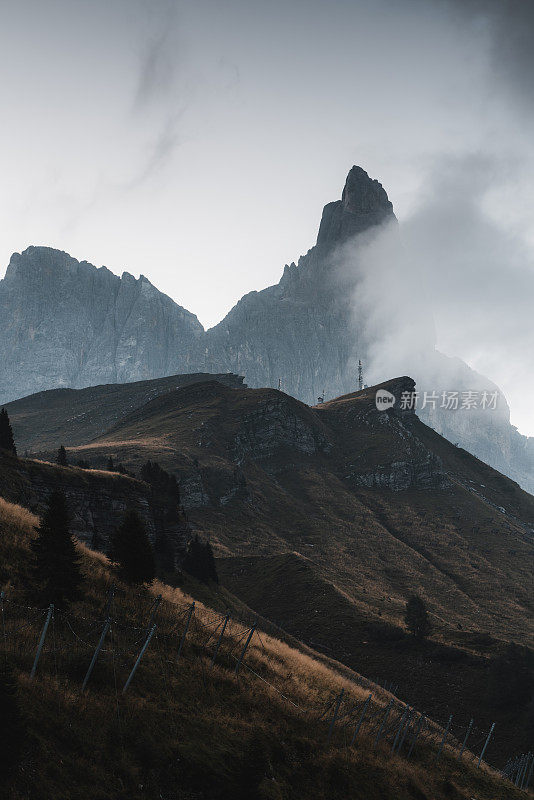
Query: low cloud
[[451, 275], [509, 25]]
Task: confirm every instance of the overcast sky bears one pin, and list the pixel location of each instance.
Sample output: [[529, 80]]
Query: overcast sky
[[197, 142]]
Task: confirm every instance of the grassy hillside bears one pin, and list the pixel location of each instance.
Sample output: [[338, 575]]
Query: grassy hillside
[[298, 504], [262, 473], [183, 729], [78, 415]]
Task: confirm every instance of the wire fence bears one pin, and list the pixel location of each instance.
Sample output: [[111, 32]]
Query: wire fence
[[111, 650]]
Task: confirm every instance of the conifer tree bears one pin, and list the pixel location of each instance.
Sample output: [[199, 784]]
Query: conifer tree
[[210, 563], [200, 562], [7, 441], [12, 729], [61, 457], [511, 677], [416, 617], [56, 565], [131, 550]]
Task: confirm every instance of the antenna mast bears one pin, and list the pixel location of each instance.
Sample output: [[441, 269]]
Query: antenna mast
[[360, 375]]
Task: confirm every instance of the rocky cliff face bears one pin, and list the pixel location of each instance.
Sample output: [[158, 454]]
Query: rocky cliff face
[[67, 323], [303, 330], [97, 502], [310, 330]]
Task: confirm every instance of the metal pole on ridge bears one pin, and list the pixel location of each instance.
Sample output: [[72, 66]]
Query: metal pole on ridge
[[219, 640], [416, 734], [485, 745], [384, 720], [444, 738], [184, 634], [97, 651], [42, 639], [334, 716], [465, 739], [360, 721], [406, 728], [109, 601], [244, 650], [154, 609], [400, 729], [139, 657]]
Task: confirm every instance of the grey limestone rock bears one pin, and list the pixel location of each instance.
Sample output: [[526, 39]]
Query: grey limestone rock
[[67, 323]]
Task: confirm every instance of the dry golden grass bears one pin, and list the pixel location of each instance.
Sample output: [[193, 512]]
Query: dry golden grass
[[184, 730], [16, 518]]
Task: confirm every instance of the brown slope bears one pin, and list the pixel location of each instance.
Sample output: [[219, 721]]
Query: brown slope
[[263, 473], [376, 506], [185, 730], [47, 419]]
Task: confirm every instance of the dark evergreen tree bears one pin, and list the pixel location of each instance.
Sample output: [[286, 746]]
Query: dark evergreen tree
[[199, 561], [416, 617], [56, 565], [210, 563], [7, 442], [161, 481], [511, 678], [12, 729], [61, 457], [131, 550]]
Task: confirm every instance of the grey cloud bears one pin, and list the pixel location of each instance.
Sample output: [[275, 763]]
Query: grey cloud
[[510, 24], [455, 259], [159, 54]]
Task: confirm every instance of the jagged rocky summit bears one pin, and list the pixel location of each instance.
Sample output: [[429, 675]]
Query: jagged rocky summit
[[67, 323]]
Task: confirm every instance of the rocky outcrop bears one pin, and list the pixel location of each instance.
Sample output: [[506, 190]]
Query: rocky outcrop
[[67, 323], [364, 204], [422, 473], [97, 502], [302, 330], [273, 425]]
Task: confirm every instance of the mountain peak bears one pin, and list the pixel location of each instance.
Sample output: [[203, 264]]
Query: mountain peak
[[364, 204]]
